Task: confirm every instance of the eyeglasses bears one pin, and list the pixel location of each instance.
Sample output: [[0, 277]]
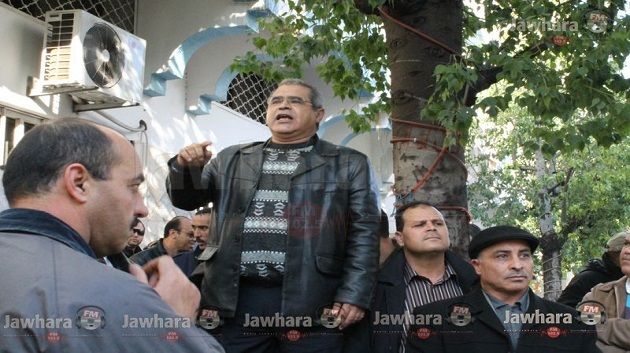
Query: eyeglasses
[[138, 231], [292, 100]]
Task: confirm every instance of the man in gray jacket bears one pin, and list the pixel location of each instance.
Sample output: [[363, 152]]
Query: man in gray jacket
[[73, 191]]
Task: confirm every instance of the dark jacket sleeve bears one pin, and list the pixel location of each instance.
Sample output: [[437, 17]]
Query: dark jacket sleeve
[[149, 254], [466, 276], [361, 260], [581, 284], [597, 271]]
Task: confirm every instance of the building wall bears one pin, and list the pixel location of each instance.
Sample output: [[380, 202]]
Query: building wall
[[21, 45], [165, 25]]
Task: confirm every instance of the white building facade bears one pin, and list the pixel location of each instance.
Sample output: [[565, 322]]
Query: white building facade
[[190, 45]]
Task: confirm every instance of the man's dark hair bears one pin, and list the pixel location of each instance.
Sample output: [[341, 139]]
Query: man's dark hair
[[204, 210], [135, 222], [173, 224], [400, 211], [383, 229], [39, 159]]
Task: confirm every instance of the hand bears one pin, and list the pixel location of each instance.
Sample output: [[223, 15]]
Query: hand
[[163, 275], [195, 155], [349, 314]]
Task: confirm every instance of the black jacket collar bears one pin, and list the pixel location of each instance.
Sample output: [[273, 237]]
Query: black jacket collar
[[29, 221], [393, 269]]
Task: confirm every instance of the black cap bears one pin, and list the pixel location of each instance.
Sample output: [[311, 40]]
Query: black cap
[[493, 235]]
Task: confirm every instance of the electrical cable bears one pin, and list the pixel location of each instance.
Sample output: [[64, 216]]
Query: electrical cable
[[142, 125]]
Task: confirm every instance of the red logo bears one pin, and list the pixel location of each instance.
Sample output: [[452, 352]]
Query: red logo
[[423, 333], [553, 332], [293, 335], [53, 337], [172, 336]]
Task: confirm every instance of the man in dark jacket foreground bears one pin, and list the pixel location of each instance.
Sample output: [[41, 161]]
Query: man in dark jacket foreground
[[502, 314], [73, 188]]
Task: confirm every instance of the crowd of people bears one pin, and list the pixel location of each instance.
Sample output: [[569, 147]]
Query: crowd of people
[[294, 255]]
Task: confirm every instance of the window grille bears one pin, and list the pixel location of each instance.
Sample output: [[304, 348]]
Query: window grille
[[247, 94], [118, 12]]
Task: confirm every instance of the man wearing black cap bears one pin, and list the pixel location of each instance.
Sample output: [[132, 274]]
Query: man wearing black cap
[[502, 314]]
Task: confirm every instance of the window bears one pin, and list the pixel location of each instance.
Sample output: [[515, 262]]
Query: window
[[13, 126], [248, 94]]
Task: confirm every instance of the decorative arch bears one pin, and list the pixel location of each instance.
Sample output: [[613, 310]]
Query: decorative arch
[[326, 124], [175, 67], [221, 88]]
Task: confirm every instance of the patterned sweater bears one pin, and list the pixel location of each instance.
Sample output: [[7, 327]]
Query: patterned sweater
[[265, 228]]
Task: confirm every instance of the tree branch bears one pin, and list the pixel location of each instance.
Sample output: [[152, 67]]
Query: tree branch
[[572, 224], [565, 203], [488, 76], [364, 7]]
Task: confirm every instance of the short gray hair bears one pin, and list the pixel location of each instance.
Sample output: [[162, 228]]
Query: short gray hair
[[315, 97]]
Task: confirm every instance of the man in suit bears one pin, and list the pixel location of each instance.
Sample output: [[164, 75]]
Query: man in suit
[[502, 314]]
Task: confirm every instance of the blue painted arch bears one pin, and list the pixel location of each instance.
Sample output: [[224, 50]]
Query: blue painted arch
[[179, 58], [220, 90]]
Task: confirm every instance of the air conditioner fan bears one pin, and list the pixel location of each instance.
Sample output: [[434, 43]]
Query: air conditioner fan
[[103, 55]]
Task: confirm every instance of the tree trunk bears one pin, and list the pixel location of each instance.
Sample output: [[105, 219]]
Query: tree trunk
[[417, 141], [550, 243]]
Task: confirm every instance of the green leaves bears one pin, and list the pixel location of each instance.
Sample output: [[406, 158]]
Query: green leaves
[[575, 92], [592, 205], [346, 46]]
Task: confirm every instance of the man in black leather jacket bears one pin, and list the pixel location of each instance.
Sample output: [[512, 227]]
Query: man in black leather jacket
[[597, 271], [296, 219]]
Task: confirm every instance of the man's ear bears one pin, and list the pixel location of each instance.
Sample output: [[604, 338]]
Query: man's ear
[[320, 115], [77, 182], [399, 239], [475, 264]]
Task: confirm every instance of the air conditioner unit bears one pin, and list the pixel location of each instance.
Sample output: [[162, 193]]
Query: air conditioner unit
[[91, 59]]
